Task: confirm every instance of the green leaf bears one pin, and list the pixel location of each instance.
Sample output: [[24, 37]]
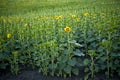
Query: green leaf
[[86, 69], [3, 65], [79, 62], [75, 71], [86, 62], [62, 59], [52, 66], [116, 62], [100, 49], [96, 68], [73, 41], [78, 53], [15, 53], [66, 51], [106, 73], [103, 58], [106, 43], [118, 72], [91, 39], [103, 67], [62, 65], [77, 44], [72, 62], [92, 53], [68, 69], [110, 64]]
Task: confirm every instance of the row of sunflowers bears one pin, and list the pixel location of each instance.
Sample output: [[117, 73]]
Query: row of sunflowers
[[61, 45]]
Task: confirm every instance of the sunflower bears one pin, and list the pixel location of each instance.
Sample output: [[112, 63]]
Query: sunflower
[[86, 14], [73, 16], [58, 17], [8, 35], [67, 29], [77, 19]]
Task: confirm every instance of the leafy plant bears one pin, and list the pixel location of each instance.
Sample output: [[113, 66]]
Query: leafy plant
[[14, 62]]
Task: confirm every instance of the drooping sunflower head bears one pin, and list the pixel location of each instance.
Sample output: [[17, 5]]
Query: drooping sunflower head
[[67, 29]]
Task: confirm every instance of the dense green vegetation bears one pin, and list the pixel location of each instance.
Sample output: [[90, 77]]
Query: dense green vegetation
[[59, 37]]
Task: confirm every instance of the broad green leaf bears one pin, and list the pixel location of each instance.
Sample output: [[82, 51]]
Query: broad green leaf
[[3, 65], [73, 41], [62, 58], [52, 66], [91, 39], [72, 62], [68, 69], [116, 62], [78, 53], [86, 62], [77, 44], [75, 71], [92, 53], [103, 67], [96, 68], [86, 69], [103, 58], [62, 65]]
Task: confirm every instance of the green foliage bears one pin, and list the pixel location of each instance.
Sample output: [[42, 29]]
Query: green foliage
[[32, 34], [14, 62]]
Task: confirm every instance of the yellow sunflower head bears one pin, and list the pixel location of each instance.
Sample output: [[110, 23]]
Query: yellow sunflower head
[[67, 29], [9, 35], [86, 14], [58, 17], [73, 16], [77, 19]]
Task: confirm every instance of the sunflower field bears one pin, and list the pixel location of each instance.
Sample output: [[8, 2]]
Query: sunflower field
[[60, 37]]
